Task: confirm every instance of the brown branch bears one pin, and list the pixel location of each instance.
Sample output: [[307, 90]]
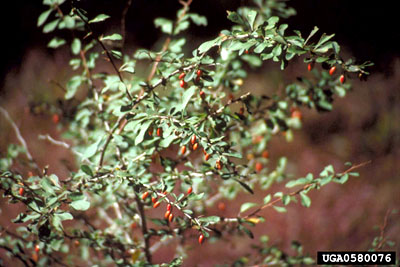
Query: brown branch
[[382, 230], [144, 229], [305, 187]]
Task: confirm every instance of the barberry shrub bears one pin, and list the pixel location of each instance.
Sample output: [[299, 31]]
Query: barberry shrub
[[154, 152]]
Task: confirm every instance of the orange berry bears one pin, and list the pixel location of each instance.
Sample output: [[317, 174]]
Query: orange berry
[[182, 75], [171, 217], [195, 146], [133, 225], [55, 118], [76, 243], [259, 166], [183, 149], [218, 164], [169, 207], [265, 154], [342, 78], [153, 199], [37, 248], [190, 189], [35, 257], [21, 191], [167, 213], [296, 114], [202, 94], [145, 195], [332, 70], [182, 83], [159, 132], [150, 131], [221, 206], [310, 66], [207, 157], [156, 205], [201, 239], [250, 156], [257, 139], [193, 139]]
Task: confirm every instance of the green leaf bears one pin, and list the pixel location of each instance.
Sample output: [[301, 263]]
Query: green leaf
[[143, 129], [165, 25], [56, 42], [86, 169], [272, 21], [305, 200], [76, 46], [235, 17], [112, 37], [43, 17], [49, 27], [280, 209], [82, 204], [190, 75], [204, 47], [187, 95], [245, 186], [64, 216], [99, 18], [324, 39], [90, 150], [267, 199], [246, 206], [47, 185], [314, 31], [72, 86], [251, 17], [210, 219], [198, 20]]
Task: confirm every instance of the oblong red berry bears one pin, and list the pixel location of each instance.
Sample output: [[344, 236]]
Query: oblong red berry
[[21, 191], [190, 190], [154, 199], [169, 207], [332, 70], [342, 78], [182, 75], [159, 132], [167, 213], [182, 83], [195, 146], [193, 139], [145, 195], [207, 157], [201, 239], [183, 149], [156, 205], [171, 217]]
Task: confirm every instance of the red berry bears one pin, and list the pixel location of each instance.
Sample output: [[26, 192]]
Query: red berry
[[21, 191], [167, 213], [182, 75], [204, 152], [190, 189], [159, 132], [195, 146], [145, 195], [133, 225], [182, 83], [207, 157], [153, 199], [37, 248], [221, 206], [202, 94], [76, 243], [265, 154], [246, 51], [169, 207], [310, 66], [183, 149], [201, 239], [259, 166], [241, 111], [55, 118], [156, 205], [171, 217], [193, 139], [150, 131], [332, 70], [342, 78], [199, 73]]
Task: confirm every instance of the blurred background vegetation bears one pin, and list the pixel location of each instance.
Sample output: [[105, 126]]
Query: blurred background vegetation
[[363, 126]]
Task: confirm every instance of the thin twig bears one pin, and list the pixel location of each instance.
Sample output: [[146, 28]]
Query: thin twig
[[123, 23], [352, 168], [20, 138], [382, 230]]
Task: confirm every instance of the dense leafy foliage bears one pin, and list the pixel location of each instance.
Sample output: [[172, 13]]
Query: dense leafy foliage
[[139, 141]]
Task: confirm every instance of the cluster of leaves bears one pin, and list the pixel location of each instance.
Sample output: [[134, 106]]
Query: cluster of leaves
[[127, 131]]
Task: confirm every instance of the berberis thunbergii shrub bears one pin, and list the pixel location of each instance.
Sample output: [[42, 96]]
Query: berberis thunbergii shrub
[[178, 139]]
